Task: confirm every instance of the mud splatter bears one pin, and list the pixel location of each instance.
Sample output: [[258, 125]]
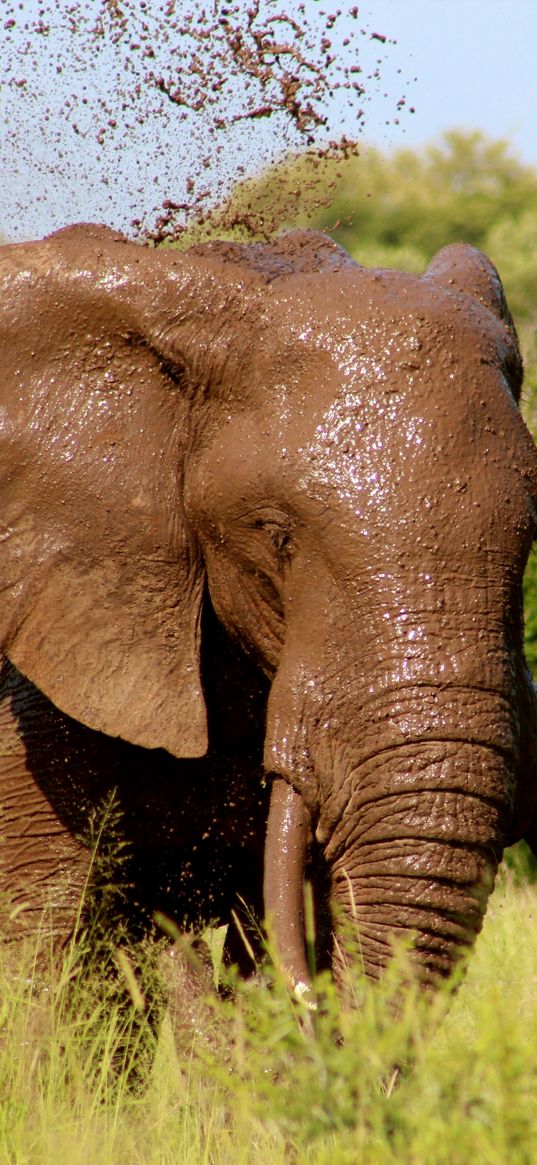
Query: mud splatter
[[165, 105]]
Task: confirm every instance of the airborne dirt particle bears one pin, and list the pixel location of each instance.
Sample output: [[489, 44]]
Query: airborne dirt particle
[[165, 106]]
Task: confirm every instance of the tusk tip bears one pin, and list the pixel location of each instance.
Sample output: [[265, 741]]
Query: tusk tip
[[303, 993]]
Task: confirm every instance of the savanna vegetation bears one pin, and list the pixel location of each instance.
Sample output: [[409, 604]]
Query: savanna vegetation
[[453, 1082], [259, 1081]]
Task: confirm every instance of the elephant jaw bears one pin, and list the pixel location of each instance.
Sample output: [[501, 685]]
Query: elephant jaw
[[285, 856]]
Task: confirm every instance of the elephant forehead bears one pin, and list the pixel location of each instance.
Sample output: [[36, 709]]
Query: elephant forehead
[[402, 461], [412, 434], [366, 339], [366, 352], [386, 312]]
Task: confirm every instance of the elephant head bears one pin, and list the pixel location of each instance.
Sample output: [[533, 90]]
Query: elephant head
[[337, 454]]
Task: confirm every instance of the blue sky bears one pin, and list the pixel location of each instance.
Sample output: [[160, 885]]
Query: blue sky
[[458, 63], [476, 67]]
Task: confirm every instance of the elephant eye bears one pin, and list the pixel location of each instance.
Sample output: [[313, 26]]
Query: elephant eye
[[279, 535], [281, 540]]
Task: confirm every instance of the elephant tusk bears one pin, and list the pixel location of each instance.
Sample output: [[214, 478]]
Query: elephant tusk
[[285, 856]]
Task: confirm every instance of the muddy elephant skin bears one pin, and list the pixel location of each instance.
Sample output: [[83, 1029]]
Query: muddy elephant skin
[[265, 516]]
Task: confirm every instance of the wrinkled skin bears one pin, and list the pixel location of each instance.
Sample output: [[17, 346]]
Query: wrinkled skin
[[265, 512]]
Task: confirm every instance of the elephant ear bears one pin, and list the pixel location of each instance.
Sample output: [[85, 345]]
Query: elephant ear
[[467, 269], [101, 580]]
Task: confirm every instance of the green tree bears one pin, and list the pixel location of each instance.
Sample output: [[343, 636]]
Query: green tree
[[456, 189]]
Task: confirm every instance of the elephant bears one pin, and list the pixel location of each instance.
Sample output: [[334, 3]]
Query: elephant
[[265, 518]]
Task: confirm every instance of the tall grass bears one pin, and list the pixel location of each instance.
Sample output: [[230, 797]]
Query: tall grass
[[451, 1083]]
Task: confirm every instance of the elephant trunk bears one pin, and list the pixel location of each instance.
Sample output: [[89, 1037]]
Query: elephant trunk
[[419, 862], [415, 859], [409, 776]]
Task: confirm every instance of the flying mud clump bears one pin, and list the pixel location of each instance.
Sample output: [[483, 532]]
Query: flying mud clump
[[154, 115]]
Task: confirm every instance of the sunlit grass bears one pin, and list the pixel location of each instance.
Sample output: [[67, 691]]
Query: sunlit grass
[[275, 1085]]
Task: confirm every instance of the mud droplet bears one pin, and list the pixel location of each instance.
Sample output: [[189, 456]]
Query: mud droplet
[[234, 87]]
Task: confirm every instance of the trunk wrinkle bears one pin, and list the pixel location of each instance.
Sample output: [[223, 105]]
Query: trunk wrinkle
[[408, 785], [410, 823]]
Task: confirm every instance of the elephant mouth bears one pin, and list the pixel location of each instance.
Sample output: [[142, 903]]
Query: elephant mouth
[[285, 858]]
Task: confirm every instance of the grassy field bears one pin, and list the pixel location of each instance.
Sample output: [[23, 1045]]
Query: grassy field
[[269, 1088]]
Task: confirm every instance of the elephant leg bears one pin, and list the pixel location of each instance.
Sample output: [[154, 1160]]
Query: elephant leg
[[43, 866], [53, 885], [187, 974]]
